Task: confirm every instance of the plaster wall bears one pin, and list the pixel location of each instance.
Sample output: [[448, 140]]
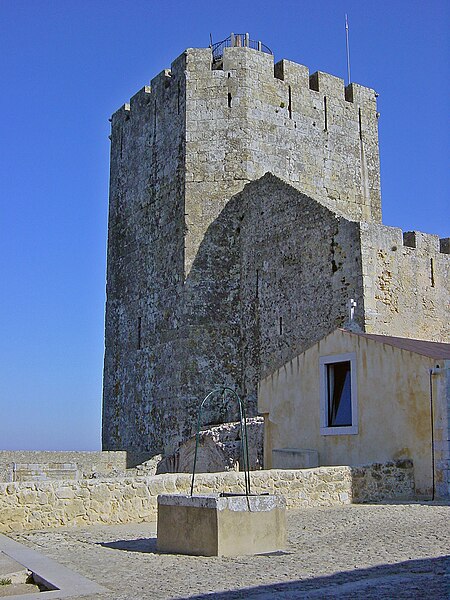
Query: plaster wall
[[394, 411], [440, 380]]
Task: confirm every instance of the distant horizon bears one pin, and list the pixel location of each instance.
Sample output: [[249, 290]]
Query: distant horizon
[[67, 67]]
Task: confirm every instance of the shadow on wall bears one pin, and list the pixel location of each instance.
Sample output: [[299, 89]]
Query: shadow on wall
[[269, 278], [134, 459], [272, 272]]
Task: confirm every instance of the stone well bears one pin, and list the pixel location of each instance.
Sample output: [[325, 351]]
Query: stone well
[[221, 524]]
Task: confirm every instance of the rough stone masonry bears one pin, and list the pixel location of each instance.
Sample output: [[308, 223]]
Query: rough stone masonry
[[244, 213]]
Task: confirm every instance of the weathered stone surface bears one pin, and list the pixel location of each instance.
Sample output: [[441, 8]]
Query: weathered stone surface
[[134, 499], [215, 525], [406, 283], [219, 450], [29, 465], [244, 215], [179, 151]]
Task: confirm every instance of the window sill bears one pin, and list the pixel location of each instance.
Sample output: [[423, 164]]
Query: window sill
[[351, 430]]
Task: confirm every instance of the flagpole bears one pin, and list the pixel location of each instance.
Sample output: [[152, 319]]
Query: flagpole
[[348, 50]]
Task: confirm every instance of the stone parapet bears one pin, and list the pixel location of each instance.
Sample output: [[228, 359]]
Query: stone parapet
[[26, 465], [406, 283], [40, 505]]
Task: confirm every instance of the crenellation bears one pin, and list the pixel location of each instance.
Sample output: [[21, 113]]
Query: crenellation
[[292, 73], [248, 61], [198, 61], [283, 108], [406, 283], [444, 245], [363, 96], [326, 84], [161, 86], [121, 114], [141, 98], [426, 243]]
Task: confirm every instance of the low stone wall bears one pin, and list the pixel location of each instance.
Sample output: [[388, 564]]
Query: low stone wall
[[392, 480], [21, 465], [38, 505]]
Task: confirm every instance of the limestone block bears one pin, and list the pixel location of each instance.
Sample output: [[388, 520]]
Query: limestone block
[[221, 525], [116, 500], [292, 73], [64, 492]]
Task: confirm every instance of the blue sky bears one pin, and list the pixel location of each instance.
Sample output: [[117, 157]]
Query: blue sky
[[65, 66]]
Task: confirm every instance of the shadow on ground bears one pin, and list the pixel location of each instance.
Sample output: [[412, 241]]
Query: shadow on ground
[[428, 578], [148, 545], [145, 545]]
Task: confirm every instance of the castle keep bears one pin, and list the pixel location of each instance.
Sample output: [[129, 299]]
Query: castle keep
[[245, 213]]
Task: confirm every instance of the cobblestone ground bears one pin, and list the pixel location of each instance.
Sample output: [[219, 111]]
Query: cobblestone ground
[[357, 551]]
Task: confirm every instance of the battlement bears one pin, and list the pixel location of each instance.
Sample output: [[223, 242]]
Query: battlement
[[308, 129], [406, 278], [426, 242], [392, 239], [242, 61]]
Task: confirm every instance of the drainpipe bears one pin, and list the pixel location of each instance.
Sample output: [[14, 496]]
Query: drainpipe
[[434, 371]]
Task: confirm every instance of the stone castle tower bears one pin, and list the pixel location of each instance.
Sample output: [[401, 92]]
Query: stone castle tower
[[244, 213]]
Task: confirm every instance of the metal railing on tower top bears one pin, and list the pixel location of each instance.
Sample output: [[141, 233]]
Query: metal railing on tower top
[[237, 40]]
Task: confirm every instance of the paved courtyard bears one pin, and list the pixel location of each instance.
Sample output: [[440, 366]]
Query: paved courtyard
[[356, 551]]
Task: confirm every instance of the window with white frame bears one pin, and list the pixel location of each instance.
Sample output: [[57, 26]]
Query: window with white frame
[[338, 395]]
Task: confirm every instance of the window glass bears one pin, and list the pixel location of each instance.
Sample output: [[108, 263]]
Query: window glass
[[339, 394]]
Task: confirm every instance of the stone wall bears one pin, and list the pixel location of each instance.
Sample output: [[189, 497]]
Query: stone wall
[[383, 481], [300, 263], [38, 505], [219, 449], [27, 465], [179, 151], [406, 280], [145, 267], [252, 116]]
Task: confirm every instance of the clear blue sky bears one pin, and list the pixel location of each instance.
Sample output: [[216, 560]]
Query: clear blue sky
[[65, 66]]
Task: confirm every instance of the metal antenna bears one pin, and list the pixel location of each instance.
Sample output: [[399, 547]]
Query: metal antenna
[[348, 50], [210, 40]]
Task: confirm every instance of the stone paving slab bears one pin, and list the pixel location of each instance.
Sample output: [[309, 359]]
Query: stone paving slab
[[9, 567], [58, 581], [355, 551]]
